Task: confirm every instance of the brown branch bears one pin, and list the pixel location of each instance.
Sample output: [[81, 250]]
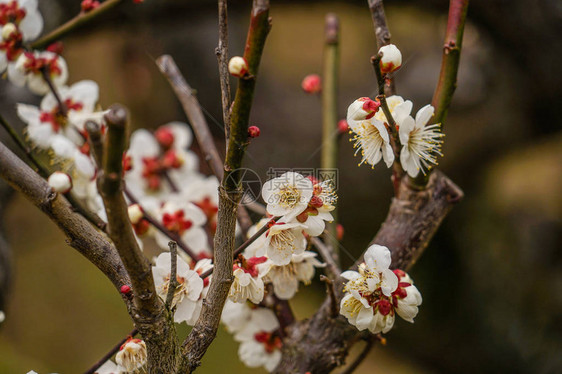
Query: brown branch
[[74, 23], [159, 226], [334, 307], [192, 110], [326, 253], [222, 56], [62, 106], [383, 37], [329, 155], [80, 234], [112, 351], [173, 273], [204, 331], [362, 356], [149, 314]]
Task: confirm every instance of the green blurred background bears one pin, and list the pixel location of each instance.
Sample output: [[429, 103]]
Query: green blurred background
[[492, 277]]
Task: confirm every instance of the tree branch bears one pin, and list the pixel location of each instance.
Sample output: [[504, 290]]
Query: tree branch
[[79, 233], [204, 331], [362, 356], [222, 56], [173, 273], [383, 37], [329, 156], [74, 23], [150, 315]]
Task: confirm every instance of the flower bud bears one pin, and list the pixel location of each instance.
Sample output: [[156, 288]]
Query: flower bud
[[391, 58], [253, 131], [2, 316], [56, 47], [131, 355], [343, 127], [125, 289], [238, 66], [8, 30], [339, 231], [135, 213], [60, 182], [362, 108], [88, 5], [312, 84]]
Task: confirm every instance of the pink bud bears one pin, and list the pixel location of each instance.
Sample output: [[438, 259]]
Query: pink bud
[[253, 131], [125, 289], [343, 127], [339, 231], [312, 84], [88, 5], [238, 66]]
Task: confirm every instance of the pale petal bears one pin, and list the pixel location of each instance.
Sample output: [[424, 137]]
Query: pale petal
[[423, 115]]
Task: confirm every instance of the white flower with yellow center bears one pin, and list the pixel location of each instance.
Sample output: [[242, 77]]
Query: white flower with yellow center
[[420, 143], [187, 295], [285, 279], [132, 355], [284, 240], [288, 195]]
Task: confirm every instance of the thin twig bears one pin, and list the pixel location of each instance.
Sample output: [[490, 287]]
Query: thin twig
[[62, 106], [359, 359], [329, 156], [222, 56], [325, 252], [283, 312], [71, 25], [246, 244], [383, 36], [173, 284], [154, 222], [110, 353], [334, 307]]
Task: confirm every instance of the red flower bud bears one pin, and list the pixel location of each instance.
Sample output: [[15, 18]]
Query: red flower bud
[[253, 131], [125, 289], [312, 84]]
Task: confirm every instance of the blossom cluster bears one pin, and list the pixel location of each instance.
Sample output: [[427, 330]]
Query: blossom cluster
[[372, 133], [375, 294]]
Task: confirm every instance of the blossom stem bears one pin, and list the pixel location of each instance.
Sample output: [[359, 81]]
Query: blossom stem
[[71, 25], [62, 106], [329, 156], [331, 266], [246, 244], [110, 353], [154, 222], [173, 273]]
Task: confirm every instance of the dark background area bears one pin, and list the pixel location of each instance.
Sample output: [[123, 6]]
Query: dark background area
[[492, 277]]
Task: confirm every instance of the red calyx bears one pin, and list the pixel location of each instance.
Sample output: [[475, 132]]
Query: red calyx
[[343, 127], [56, 47], [88, 5], [316, 201], [384, 307], [165, 137], [371, 107], [270, 341], [11, 12], [208, 207], [176, 223], [141, 227], [253, 131]]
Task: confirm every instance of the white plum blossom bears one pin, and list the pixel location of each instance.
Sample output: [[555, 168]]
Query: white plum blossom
[[260, 344], [109, 367], [288, 195], [282, 241], [375, 294], [132, 355], [186, 220], [317, 213], [235, 315], [27, 70], [257, 247], [20, 21], [391, 59], [248, 283], [156, 161], [370, 134], [285, 279], [187, 297], [420, 143], [60, 182]]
